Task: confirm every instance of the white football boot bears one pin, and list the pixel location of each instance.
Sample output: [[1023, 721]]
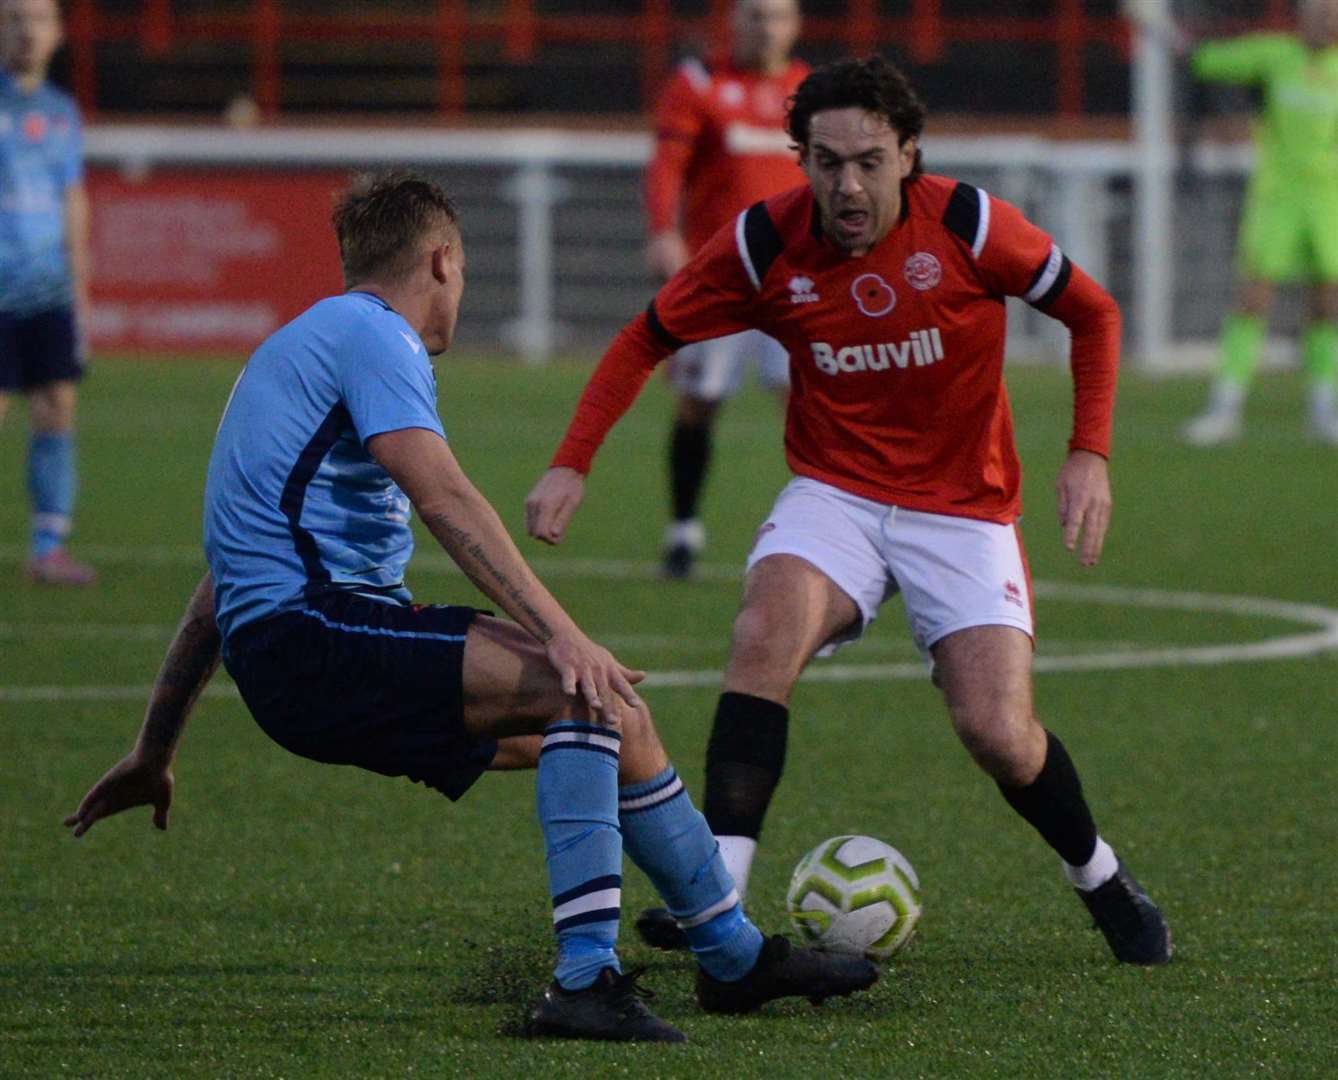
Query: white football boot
[[683, 542], [1220, 422], [1324, 414]]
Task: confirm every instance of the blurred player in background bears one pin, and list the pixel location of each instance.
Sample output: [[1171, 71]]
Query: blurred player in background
[[720, 145], [43, 273], [1289, 229], [887, 287], [329, 436]]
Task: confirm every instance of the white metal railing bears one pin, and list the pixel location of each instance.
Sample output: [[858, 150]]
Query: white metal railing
[[1081, 173]]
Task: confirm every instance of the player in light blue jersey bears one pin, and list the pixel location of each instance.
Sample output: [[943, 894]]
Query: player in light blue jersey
[[330, 435], [43, 272]]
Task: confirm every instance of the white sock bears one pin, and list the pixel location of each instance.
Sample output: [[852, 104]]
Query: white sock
[[1323, 400], [690, 534], [1226, 397], [738, 852], [1099, 869]]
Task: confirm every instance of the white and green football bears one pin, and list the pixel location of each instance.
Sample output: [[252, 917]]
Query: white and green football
[[855, 894]]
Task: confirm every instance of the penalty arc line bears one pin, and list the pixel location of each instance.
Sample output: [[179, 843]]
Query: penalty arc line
[[1294, 646], [1323, 638]]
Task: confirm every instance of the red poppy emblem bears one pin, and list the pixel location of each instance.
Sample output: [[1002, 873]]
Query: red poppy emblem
[[34, 127], [873, 295]]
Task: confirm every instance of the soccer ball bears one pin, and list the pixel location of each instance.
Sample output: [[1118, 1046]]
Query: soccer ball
[[855, 894]]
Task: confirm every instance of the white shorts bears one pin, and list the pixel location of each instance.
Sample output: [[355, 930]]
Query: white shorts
[[713, 370], [952, 572]]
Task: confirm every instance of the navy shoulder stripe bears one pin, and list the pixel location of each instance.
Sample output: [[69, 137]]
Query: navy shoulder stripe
[[759, 242], [657, 328], [295, 492], [962, 217]]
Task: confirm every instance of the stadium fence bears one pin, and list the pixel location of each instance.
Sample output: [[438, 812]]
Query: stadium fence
[[553, 226]]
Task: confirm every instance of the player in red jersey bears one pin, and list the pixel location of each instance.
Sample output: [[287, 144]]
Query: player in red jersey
[[720, 146], [887, 287]]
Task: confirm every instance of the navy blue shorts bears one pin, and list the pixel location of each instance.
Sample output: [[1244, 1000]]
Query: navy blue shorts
[[354, 681], [38, 349]]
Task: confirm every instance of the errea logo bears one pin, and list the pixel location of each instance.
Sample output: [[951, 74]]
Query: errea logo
[[801, 290], [920, 349]]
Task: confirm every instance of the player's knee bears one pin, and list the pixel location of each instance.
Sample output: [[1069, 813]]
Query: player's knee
[[758, 639], [51, 407], [643, 755], [1326, 302], [635, 726], [996, 737]]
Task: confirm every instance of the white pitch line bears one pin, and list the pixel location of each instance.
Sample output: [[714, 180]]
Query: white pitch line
[[98, 693], [85, 631], [62, 631], [27, 633], [1324, 638], [426, 563]]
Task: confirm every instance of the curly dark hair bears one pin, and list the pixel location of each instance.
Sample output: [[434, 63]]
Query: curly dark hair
[[872, 84], [381, 219]]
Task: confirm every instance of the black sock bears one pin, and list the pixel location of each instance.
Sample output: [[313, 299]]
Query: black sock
[[744, 760], [689, 455], [1054, 805]]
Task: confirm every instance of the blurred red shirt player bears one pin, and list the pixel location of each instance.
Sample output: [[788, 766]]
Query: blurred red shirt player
[[720, 146]]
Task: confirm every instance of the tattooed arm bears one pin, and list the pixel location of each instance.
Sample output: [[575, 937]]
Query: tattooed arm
[[144, 776], [468, 528], [191, 661]]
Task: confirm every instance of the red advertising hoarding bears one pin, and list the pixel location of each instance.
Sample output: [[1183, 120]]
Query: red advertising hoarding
[[195, 262]]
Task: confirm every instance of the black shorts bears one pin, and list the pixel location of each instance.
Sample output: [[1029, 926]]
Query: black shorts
[[38, 349], [354, 681]]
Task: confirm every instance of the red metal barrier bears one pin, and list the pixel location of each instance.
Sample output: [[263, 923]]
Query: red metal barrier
[[521, 30]]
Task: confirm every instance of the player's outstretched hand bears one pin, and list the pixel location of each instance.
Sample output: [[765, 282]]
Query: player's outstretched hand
[[1084, 504], [136, 780], [592, 671], [552, 503]]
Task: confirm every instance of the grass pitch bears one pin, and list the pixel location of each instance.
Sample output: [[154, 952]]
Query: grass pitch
[[300, 920]]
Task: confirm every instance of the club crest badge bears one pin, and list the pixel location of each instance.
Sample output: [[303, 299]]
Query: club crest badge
[[35, 127], [922, 271], [731, 94], [873, 295]]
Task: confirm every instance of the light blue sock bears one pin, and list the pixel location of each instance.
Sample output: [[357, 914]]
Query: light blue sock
[[668, 838], [51, 486], [578, 811]]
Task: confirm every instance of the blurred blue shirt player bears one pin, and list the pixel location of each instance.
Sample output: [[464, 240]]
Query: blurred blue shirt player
[[294, 503], [43, 273]]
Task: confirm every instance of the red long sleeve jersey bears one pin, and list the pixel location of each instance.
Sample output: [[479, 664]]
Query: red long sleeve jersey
[[720, 146], [896, 356]]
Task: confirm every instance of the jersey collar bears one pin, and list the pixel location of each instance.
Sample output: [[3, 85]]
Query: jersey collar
[[370, 296]]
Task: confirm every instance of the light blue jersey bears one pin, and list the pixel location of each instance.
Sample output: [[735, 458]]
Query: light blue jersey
[[294, 503], [41, 157]]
